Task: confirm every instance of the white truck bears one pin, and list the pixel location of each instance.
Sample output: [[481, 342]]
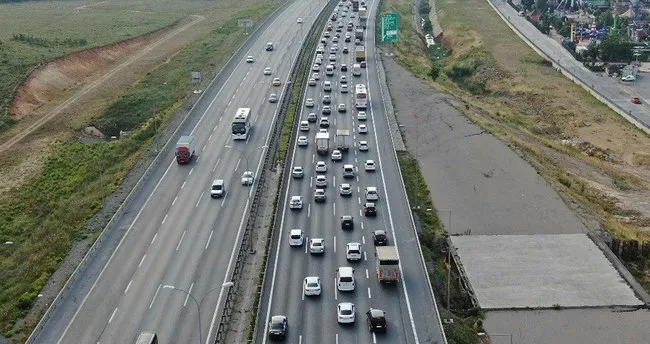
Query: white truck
[[342, 139], [387, 263], [322, 143]]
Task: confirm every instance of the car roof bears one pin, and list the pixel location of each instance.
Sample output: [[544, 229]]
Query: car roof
[[320, 176], [312, 279], [296, 231], [376, 313], [370, 161], [321, 163], [346, 217], [345, 185], [278, 318], [346, 305], [353, 244], [380, 231], [317, 240], [296, 197]]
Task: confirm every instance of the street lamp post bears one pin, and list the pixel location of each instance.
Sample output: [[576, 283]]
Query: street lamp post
[[198, 303]]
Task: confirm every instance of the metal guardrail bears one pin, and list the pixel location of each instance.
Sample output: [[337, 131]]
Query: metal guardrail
[[627, 114], [309, 45], [269, 158], [92, 251]]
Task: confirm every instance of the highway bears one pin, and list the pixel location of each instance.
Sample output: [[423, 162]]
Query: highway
[[180, 236], [409, 305]]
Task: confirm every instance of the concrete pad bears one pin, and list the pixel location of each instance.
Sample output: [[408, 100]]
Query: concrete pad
[[541, 271]]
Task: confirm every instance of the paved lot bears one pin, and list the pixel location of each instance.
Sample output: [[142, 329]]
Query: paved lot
[[569, 326], [541, 271]]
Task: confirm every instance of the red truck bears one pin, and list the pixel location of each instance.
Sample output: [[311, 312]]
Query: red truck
[[184, 149]]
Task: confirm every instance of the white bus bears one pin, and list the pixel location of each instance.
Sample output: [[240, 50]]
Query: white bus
[[360, 96], [241, 125]]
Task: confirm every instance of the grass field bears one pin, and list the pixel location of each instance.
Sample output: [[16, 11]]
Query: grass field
[[45, 216], [51, 29]]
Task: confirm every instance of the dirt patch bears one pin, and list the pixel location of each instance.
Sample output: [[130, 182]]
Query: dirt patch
[[52, 80], [61, 96]]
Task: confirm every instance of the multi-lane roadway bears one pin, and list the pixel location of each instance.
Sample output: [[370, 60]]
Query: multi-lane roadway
[[411, 313], [181, 237]]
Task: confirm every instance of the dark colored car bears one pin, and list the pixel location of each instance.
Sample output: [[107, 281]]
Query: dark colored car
[[363, 64], [376, 320], [380, 238], [347, 222], [636, 100], [344, 67], [278, 326], [369, 209]]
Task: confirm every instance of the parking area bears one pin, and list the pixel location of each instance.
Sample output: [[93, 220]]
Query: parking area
[[540, 271]]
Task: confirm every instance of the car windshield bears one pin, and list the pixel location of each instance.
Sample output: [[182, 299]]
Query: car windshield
[[346, 311], [312, 285], [277, 325]]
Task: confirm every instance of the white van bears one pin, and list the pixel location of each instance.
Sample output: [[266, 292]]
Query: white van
[[329, 71], [218, 188], [356, 69], [304, 126], [345, 278], [327, 86]]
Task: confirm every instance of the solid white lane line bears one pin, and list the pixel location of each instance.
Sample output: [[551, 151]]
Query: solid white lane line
[[154, 296], [180, 241], [174, 201], [209, 238], [142, 260], [337, 338], [199, 200], [336, 295], [189, 292], [335, 244], [112, 315], [369, 295], [127, 287]]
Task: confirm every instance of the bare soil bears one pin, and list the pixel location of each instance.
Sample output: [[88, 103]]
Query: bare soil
[[60, 96]]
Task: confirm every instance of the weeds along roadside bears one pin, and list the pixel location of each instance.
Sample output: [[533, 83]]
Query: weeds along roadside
[[46, 215], [497, 91]]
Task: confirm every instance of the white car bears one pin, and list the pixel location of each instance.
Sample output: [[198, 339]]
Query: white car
[[299, 20], [345, 189], [295, 202], [345, 313], [319, 196], [273, 98], [327, 86], [327, 99], [302, 141], [321, 167], [361, 116], [297, 172], [267, 71], [343, 80], [318, 61], [311, 286], [342, 108], [372, 194], [353, 251], [321, 181], [247, 178], [249, 59], [369, 165], [315, 76], [309, 102], [332, 57], [296, 237], [336, 155], [317, 246], [363, 146], [304, 126], [363, 129], [276, 82], [312, 82], [344, 88], [315, 67]]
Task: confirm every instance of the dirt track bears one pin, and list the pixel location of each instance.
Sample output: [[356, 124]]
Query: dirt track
[[60, 96]]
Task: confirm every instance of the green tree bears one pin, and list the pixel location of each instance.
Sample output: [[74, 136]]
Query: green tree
[[541, 5], [615, 50], [527, 4], [605, 19]]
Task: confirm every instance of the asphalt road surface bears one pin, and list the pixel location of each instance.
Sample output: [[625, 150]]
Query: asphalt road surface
[[411, 313], [180, 236], [619, 94]]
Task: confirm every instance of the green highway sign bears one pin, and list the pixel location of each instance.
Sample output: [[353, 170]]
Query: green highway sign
[[389, 27]]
